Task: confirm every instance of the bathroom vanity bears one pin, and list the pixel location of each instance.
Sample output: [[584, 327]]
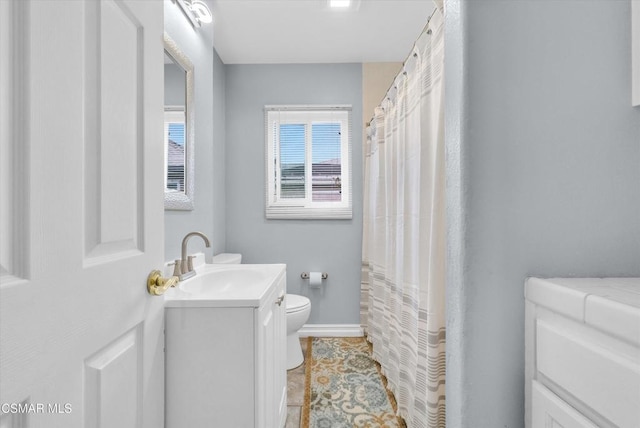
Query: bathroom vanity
[[225, 348], [582, 352]]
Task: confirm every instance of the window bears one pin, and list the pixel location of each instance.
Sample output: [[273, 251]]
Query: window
[[308, 162], [174, 130]]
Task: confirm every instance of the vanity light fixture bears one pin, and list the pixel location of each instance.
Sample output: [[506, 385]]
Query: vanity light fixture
[[196, 11], [201, 11]]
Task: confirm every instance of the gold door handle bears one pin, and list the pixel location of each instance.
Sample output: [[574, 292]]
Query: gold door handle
[[157, 284]]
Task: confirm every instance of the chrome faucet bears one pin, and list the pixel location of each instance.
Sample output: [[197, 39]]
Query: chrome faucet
[[186, 264]]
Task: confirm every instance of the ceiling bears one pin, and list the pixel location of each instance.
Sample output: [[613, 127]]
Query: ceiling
[[308, 31]]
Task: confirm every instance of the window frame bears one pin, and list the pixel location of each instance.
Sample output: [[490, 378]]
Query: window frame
[[277, 207]]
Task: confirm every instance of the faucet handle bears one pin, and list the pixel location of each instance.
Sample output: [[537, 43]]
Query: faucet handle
[[176, 268]]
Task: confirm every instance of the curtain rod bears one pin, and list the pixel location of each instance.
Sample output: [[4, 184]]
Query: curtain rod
[[425, 29]]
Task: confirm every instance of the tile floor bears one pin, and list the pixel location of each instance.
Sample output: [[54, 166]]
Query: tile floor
[[295, 391]]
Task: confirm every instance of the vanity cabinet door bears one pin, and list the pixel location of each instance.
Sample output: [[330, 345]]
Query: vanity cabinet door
[[280, 361], [271, 382], [209, 367]]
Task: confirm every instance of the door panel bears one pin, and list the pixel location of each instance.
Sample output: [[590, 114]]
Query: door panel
[[114, 90], [81, 341], [12, 156], [112, 381]]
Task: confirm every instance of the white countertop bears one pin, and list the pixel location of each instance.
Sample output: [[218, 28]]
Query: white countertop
[[611, 305], [225, 285]]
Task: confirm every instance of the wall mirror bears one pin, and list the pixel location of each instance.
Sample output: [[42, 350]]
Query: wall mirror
[[178, 128]]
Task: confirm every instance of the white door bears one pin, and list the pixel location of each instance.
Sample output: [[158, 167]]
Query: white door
[[81, 213]]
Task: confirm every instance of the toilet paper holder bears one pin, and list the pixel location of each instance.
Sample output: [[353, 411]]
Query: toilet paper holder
[[305, 275]]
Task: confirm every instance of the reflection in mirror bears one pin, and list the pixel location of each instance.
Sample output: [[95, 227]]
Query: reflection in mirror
[[174, 125], [178, 128], [174, 158]]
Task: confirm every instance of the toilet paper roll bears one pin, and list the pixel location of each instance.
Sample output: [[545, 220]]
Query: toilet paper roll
[[315, 279]]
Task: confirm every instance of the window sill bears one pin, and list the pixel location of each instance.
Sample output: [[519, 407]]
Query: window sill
[[300, 213]]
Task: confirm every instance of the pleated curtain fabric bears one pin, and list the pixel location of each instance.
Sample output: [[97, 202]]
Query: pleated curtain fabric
[[403, 269]]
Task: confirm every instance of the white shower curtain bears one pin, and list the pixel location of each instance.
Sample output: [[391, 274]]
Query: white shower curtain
[[403, 278]]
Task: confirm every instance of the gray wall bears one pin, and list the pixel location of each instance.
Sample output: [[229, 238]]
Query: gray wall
[[545, 146], [174, 85], [208, 215], [332, 246]]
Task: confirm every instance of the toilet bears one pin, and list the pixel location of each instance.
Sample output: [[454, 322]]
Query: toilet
[[298, 311], [227, 258]]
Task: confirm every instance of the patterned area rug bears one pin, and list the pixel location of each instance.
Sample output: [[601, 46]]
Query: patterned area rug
[[344, 387]]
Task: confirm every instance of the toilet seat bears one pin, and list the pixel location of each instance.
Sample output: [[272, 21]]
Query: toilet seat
[[296, 303]]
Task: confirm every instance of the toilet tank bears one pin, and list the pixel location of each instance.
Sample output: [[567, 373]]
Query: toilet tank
[[227, 258]]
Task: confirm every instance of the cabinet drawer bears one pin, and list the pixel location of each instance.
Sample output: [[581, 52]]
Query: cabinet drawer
[[548, 410], [598, 377]]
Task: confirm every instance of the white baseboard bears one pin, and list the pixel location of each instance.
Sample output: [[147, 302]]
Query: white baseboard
[[331, 330]]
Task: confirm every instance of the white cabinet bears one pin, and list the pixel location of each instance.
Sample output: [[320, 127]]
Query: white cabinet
[[225, 361], [582, 352]]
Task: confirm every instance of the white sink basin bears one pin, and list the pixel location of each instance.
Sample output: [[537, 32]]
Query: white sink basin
[[222, 281], [225, 286]]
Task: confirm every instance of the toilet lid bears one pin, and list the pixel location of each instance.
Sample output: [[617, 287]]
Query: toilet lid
[[296, 303]]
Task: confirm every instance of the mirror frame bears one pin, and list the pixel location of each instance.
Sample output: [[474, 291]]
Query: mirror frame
[[184, 200]]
